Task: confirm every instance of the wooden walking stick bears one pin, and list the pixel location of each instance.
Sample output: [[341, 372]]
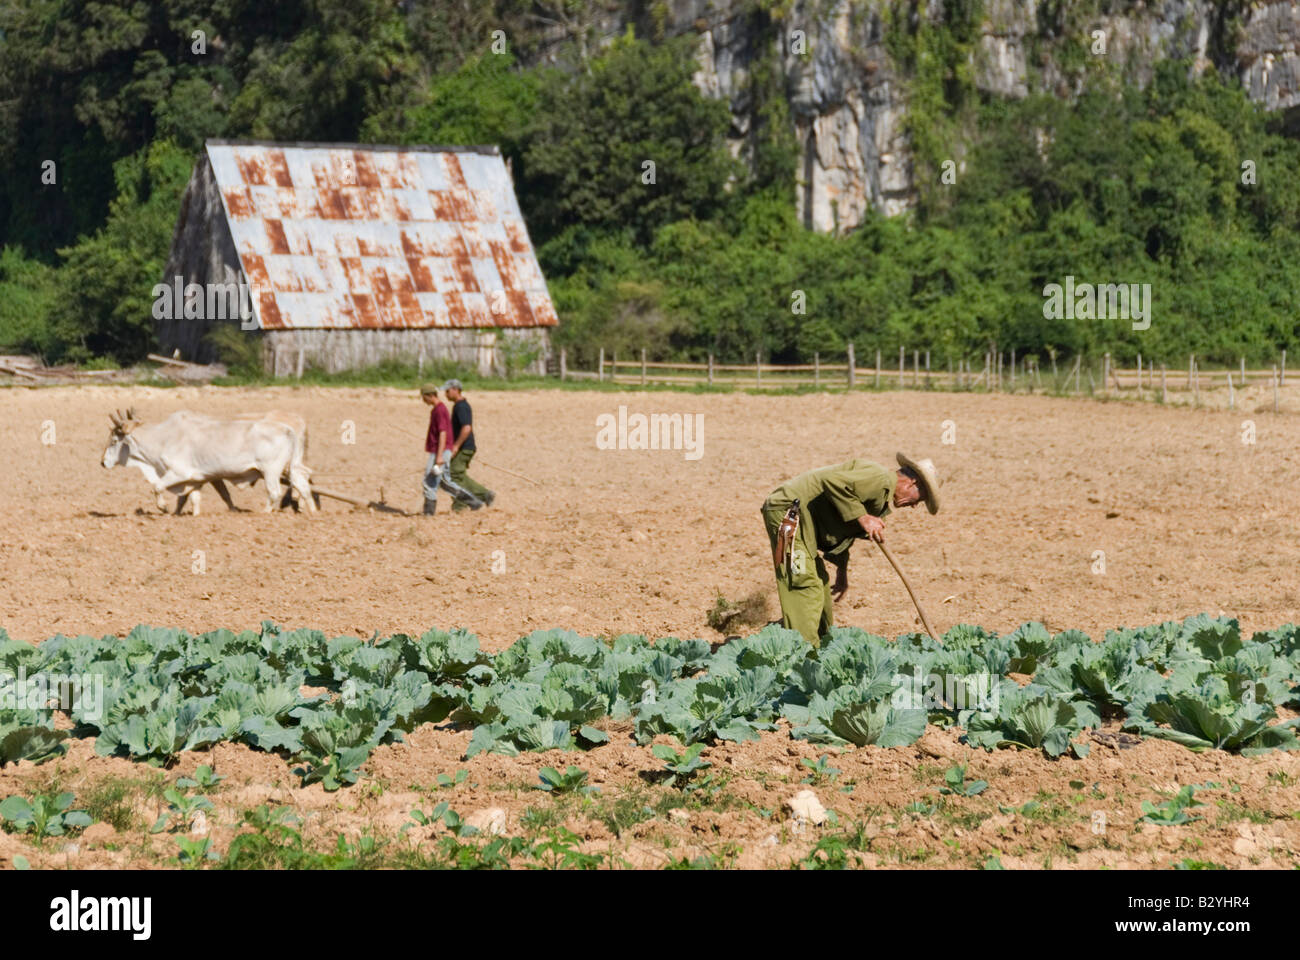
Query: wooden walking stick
[[915, 602]]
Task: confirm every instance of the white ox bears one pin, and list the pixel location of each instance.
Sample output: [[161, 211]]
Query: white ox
[[299, 426], [188, 449]]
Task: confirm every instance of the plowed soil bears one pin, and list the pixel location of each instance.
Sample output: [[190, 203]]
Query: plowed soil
[[1073, 512]]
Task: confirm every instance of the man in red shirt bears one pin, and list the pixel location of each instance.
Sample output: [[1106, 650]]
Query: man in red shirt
[[438, 445]]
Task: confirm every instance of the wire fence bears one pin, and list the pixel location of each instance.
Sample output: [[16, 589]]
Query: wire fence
[[995, 372]]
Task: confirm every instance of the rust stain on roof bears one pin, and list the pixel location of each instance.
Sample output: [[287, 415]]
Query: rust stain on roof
[[378, 237], [347, 236]]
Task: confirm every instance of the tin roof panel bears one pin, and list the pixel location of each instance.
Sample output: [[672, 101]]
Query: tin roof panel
[[346, 235]]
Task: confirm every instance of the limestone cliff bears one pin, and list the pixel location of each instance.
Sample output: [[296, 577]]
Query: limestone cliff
[[848, 93]]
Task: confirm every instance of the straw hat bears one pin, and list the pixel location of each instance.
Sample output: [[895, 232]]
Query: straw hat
[[929, 477]]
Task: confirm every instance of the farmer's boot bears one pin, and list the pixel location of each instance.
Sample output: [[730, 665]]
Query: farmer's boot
[[430, 507], [467, 498]]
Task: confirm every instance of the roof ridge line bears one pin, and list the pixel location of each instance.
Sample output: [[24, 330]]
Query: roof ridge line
[[487, 149]]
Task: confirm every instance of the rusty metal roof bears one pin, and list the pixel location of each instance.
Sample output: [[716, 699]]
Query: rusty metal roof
[[365, 236]]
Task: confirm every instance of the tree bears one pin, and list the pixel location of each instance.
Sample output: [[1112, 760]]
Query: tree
[[629, 142]]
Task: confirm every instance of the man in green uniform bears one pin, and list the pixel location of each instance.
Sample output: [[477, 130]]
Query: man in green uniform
[[837, 504]]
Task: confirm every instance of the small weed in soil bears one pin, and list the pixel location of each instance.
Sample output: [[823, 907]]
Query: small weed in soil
[[1232, 812], [112, 801], [724, 858]]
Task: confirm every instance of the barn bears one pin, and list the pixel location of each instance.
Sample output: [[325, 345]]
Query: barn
[[341, 256]]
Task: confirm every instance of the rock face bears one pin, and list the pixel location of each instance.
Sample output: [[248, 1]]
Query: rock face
[[848, 100]]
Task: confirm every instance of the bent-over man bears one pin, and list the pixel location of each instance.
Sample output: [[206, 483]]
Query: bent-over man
[[837, 504]]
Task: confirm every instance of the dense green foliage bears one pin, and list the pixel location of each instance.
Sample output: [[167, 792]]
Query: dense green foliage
[[1118, 185], [165, 691]]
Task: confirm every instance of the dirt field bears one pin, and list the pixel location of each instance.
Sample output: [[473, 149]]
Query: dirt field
[[1188, 517]]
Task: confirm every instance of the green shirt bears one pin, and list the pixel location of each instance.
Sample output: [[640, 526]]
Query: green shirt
[[832, 498]]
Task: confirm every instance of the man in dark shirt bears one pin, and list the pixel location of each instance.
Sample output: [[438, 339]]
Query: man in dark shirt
[[463, 446], [437, 443]]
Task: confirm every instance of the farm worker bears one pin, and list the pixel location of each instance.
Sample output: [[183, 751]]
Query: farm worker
[[463, 447], [438, 445], [837, 504]]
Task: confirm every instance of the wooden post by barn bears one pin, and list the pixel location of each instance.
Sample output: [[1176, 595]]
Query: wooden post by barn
[[1013, 369], [817, 369], [878, 369], [927, 369], [1243, 372], [600, 371], [853, 363], [1164, 389], [1275, 382], [1283, 378], [758, 367], [564, 364], [643, 366], [916, 368], [710, 369], [902, 365], [1231, 394], [1105, 373]]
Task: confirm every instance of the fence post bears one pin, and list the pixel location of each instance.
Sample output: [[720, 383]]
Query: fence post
[[1243, 371], [878, 367], [1105, 373], [758, 367], [902, 364], [853, 373], [817, 369], [1191, 362], [564, 364], [1284, 368], [927, 369], [710, 369], [1013, 369], [1164, 391], [1275, 380], [600, 371], [1231, 395], [1139, 375], [1196, 385], [643, 366], [916, 368], [613, 368]]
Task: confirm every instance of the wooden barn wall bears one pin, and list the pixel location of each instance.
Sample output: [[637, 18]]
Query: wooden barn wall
[[202, 252], [284, 351]]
